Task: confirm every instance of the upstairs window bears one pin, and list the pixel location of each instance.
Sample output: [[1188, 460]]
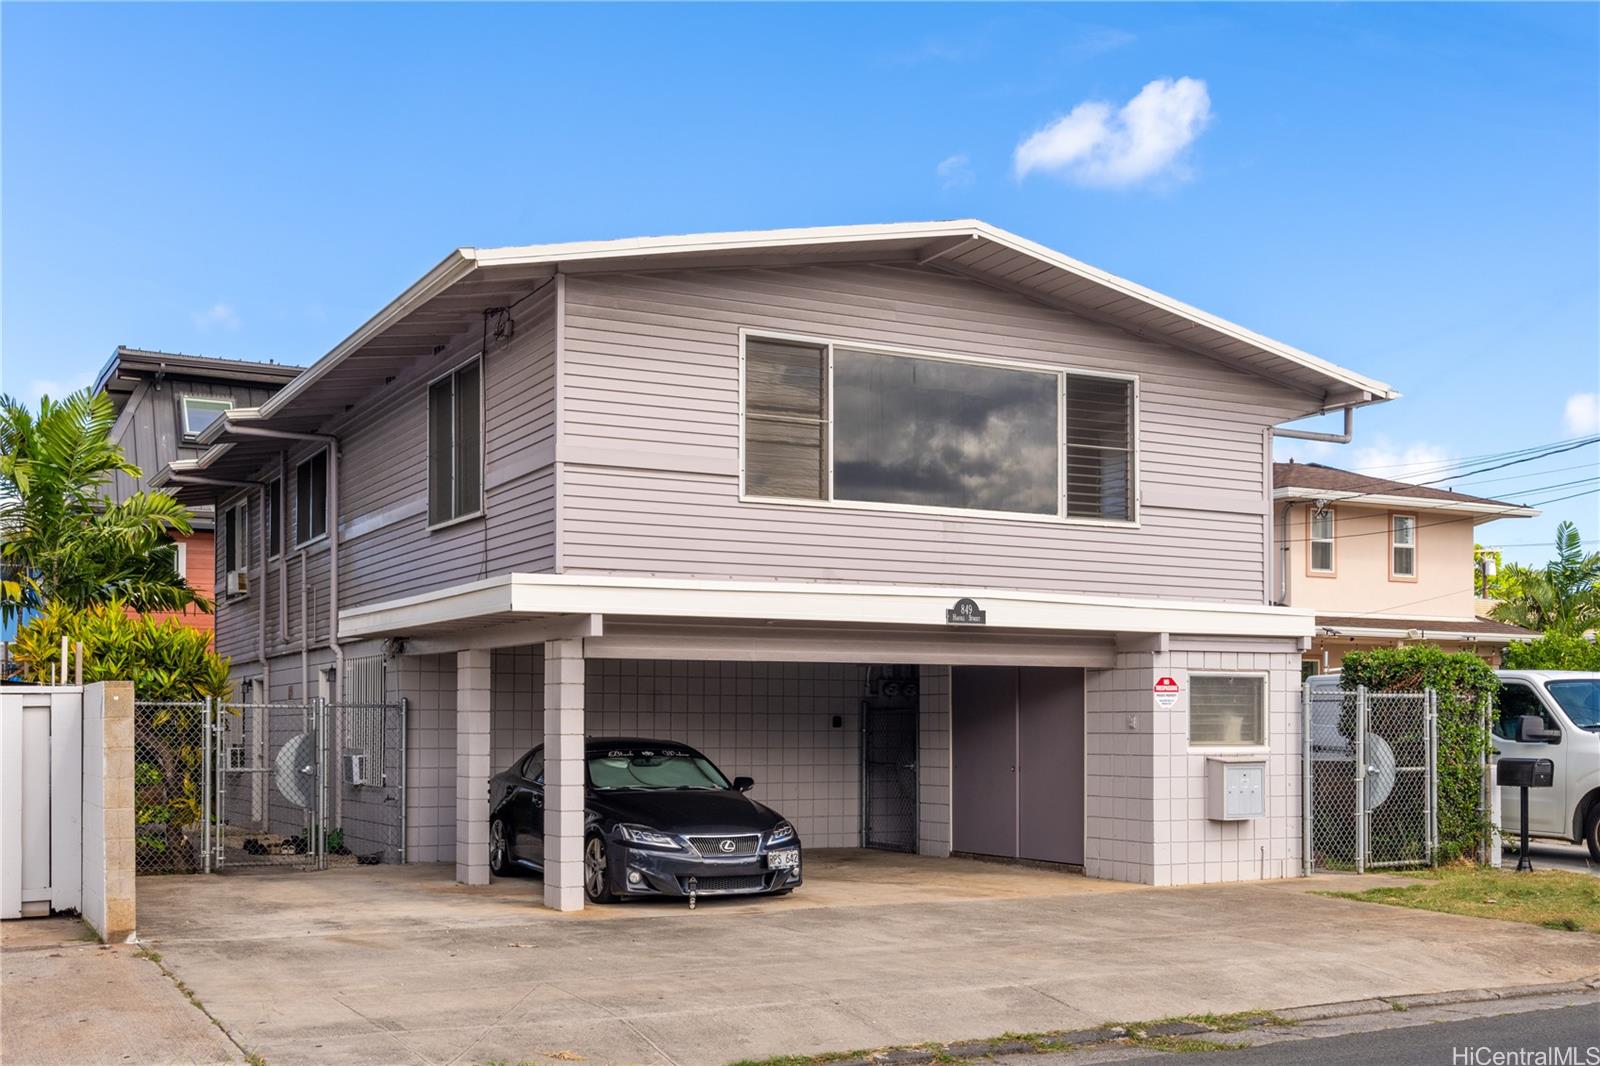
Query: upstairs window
[[236, 537], [455, 445], [200, 411], [832, 423], [1321, 561], [311, 499], [274, 518], [1403, 546]]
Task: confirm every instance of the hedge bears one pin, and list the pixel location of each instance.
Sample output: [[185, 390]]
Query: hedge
[[1463, 683], [1554, 651]]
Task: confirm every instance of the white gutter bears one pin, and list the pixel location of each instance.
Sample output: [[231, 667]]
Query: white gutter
[[1423, 634], [1426, 503]]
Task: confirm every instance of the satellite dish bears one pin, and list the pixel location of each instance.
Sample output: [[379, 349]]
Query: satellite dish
[[1380, 770], [294, 770]]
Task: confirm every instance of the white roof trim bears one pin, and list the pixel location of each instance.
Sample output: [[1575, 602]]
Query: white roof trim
[[1411, 503], [893, 605], [1422, 634], [463, 261]]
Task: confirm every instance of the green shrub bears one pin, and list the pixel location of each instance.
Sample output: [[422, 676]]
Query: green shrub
[[1464, 683], [1554, 651]]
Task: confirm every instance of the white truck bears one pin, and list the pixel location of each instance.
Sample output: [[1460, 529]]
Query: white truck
[[1566, 705]]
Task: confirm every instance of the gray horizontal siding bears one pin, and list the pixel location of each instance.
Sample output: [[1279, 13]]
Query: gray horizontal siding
[[150, 432], [650, 440]]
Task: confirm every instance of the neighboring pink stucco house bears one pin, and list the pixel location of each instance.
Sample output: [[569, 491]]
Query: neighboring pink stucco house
[[1383, 563]]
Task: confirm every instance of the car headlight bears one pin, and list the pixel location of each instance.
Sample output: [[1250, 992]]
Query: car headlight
[[782, 833], [638, 834]]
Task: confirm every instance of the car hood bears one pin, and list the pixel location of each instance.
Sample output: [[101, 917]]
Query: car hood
[[687, 811]]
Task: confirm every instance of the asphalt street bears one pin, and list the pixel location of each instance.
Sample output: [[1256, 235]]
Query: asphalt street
[[1472, 1042], [1549, 855]]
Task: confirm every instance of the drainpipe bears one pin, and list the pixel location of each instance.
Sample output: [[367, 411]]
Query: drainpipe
[[1283, 556], [333, 530], [1326, 438]]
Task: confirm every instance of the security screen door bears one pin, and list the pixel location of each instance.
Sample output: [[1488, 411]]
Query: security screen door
[[889, 761], [1018, 773]]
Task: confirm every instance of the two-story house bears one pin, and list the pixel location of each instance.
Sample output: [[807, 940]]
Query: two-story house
[[716, 488], [1383, 563], [163, 401]]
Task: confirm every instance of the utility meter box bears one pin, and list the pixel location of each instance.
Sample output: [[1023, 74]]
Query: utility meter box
[[1236, 788]]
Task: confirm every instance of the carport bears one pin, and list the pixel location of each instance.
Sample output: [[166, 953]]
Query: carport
[[905, 718]]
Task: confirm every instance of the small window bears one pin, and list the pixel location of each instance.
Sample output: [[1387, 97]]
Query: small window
[[1403, 546], [236, 536], [455, 444], [200, 411], [180, 558], [274, 518], [786, 420], [311, 499], [1227, 711], [1099, 447], [1322, 540]]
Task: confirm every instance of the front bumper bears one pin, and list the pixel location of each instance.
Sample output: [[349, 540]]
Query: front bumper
[[640, 871]]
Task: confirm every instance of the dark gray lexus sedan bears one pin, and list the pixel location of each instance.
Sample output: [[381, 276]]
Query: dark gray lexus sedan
[[659, 820]]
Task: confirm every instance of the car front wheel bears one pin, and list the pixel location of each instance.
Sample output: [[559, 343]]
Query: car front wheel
[[499, 851], [1591, 832], [596, 878]]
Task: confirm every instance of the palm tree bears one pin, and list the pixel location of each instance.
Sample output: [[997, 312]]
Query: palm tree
[[62, 540], [1562, 597]]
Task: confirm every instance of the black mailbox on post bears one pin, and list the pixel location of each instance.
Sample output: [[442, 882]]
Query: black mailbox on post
[[1527, 773]]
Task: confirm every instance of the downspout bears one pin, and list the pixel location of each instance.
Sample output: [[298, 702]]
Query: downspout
[[1283, 557], [333, 542], [1326, 438]]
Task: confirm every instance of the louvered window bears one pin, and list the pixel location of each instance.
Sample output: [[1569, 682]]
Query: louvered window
[[455, 445], [785, 420], [1099, 447]]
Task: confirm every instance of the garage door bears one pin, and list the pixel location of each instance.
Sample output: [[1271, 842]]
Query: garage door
[[1018, 773]]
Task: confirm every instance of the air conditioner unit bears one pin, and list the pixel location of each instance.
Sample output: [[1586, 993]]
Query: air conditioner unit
[[238, 582], [355, 770]]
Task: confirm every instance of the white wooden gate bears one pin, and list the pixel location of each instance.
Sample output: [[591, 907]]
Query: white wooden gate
[[41, 808]]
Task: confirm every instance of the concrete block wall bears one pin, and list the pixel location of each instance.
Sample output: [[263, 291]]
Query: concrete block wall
[[1119, 769], [428, 682], [1190, 848], [107, 825], [769, 721], [934, 763]]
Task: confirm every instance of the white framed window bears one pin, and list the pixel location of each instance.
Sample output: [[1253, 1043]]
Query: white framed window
[[235, 541], [854, 425], [455, 444], [1403, 547], [200, 411], [1321, 558], [274, 500], [1227, 710], [180, 557], [311, 499]]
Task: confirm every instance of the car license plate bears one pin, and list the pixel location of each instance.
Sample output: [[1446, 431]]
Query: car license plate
[[787, 859]]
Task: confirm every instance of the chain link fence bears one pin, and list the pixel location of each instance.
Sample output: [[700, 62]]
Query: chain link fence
[[1371, 795], [238, 785]]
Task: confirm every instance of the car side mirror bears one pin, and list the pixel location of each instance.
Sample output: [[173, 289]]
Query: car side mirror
[[1531, 730], [743, 784]]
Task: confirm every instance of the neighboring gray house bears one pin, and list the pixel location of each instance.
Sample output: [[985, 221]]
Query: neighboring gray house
[[163, 400], [721, 488]]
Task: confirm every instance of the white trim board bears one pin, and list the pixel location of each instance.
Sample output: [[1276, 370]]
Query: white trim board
[[776, 601]]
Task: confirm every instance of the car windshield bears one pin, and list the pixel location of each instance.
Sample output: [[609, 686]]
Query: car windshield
[[652, 768], [1580, 698]]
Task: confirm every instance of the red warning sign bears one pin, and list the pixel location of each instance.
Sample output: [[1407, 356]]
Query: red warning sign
[[1166, 690]]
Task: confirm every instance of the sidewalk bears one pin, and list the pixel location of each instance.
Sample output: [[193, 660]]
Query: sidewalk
[[69, 1001]]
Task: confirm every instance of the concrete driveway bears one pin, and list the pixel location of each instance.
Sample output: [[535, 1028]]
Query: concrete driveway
[[399, 965]]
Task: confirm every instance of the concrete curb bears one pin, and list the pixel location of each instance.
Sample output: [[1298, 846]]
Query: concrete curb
[[1059, 1041]]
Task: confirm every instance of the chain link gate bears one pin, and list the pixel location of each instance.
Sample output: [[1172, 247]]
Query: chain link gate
[[301, 785], [1371, 779]]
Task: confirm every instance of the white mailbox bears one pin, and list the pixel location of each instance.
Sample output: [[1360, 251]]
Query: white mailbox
[[1236, 788]]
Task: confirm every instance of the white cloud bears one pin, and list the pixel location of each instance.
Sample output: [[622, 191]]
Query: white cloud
[[53, 388], [217, 316], [955, 172], [1583, 413], [1097, 41], [1097, 144]]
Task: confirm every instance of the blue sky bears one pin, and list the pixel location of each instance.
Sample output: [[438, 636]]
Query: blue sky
[[1412, 191]]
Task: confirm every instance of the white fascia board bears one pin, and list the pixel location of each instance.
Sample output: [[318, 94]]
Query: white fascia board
[[175, 469], [893, 605], [1407, 503], [1427, 634], [218, 426]]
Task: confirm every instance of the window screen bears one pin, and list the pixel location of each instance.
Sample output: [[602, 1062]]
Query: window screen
[[455, 444], [311, 499], [1405, 546], [939, 433], [1099, 447], [1227, 711], [274, 518], [1322, 540], [785, 420], [236, 537]]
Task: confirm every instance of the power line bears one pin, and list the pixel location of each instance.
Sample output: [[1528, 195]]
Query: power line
[[1443, 464]]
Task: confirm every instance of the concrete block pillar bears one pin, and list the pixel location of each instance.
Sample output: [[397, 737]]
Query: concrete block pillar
[[563, 774], [109, 900], [472, 767]]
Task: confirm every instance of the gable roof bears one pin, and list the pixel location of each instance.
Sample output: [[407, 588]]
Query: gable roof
[[1313, 481]]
